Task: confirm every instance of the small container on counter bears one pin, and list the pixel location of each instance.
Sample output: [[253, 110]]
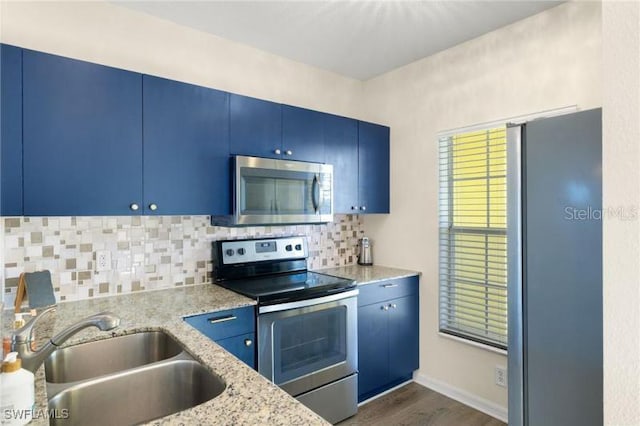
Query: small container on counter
[[17, 393]]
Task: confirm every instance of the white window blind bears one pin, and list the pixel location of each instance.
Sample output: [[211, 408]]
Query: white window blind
[[473, 236]]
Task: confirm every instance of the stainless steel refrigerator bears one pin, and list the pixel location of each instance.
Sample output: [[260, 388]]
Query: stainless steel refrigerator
[[554, 229]]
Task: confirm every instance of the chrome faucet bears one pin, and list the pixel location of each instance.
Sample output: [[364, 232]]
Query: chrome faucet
[[23, 343]]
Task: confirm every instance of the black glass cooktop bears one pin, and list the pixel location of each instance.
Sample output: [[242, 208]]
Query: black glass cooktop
[[282, 288]]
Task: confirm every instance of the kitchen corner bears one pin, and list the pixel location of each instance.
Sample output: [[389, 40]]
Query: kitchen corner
[[248, 397]]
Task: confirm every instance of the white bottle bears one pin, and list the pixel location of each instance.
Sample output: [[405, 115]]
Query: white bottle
[[17, 394]]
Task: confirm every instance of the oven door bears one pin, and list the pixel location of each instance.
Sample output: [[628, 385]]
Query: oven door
[[307, 344], [279, 191]]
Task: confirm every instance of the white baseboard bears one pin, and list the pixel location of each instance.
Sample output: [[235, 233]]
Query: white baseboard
[[474, 401]]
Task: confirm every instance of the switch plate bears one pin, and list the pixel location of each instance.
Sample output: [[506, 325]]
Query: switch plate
[[501, 376], [103, 260]]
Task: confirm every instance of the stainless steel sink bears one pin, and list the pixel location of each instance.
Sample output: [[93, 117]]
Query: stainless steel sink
[[107, 356], [126, 380], [138, 395]]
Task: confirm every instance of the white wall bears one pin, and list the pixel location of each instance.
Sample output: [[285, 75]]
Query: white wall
[[109, 34], [621, 174], [546, 61]]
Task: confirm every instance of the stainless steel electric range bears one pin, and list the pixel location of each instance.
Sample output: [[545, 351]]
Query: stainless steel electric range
[[307, 321]]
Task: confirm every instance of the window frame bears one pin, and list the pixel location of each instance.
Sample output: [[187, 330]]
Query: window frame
[[472, 308]]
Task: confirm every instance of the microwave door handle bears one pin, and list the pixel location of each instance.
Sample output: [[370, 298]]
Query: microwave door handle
[[315, 194]]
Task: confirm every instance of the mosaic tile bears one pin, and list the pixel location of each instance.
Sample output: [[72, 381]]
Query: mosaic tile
[[147, 252]]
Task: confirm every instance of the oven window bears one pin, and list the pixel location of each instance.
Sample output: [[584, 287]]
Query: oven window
[[307, 343]]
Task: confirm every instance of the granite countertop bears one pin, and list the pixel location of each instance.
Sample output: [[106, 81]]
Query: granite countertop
[[364, 275], [249, 398]]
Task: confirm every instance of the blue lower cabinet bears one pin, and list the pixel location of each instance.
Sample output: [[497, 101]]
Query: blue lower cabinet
[[373, 350], [242, 347], [233, 329], [404, 337], [388, 341], [82, 138], [11, 131]]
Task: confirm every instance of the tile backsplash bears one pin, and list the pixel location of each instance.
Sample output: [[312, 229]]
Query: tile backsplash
[[147, 252]]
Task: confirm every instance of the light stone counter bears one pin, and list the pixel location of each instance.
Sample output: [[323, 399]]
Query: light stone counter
[[364, 275], [249, 398]]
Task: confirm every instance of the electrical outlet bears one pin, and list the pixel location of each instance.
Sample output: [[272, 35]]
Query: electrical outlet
[[501, 376], [103, 260]]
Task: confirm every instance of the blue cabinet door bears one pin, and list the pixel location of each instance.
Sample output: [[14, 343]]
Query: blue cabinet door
[[341, 150], [373, 165], [11, 131], [186, 149], [82, 136], [302, 134], [403, 338], [373, 350], [224, 324], [242, 347], [255, 127]]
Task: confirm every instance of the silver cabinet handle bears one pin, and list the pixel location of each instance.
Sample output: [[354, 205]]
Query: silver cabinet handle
[[288, 152], [153, 207], [384, 307], [222, 319], [134, 206], [277, 152], [393, 306], [354, 207], [248, 342], [363, 208], [389, 285]]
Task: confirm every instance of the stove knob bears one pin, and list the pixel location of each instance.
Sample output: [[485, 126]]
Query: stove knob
[[288, 247], [230, 252], [298, 246], [241, 251]]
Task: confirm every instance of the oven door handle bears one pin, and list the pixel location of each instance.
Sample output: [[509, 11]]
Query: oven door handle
[[308, 302]]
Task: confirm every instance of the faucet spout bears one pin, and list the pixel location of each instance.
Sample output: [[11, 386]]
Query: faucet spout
[[33, 359], [104, 321]]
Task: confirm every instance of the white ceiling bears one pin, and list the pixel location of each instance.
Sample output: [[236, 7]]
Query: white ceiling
[[358, 39]]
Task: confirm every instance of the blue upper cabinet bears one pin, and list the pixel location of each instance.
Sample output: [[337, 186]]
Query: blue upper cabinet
[[82, 136], [261, 128], [302, 134], [373, 168], [255, 127], [11, 132], [186, 149], [341, 150]]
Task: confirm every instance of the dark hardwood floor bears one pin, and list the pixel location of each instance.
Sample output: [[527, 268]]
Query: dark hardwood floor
[[416, 405]]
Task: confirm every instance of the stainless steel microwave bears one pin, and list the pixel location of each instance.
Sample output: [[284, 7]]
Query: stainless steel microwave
[[269, 191]]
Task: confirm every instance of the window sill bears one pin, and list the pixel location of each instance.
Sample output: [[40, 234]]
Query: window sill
[[472, 343]]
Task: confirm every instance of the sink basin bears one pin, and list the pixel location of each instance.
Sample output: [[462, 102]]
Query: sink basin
[[138, 395], [94, 359]]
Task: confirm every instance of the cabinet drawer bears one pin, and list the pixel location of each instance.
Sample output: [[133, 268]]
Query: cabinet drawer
[[223, 324], [386, 290], [242, 347]]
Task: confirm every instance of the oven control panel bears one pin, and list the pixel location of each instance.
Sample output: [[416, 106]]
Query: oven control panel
[[247, 251]]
